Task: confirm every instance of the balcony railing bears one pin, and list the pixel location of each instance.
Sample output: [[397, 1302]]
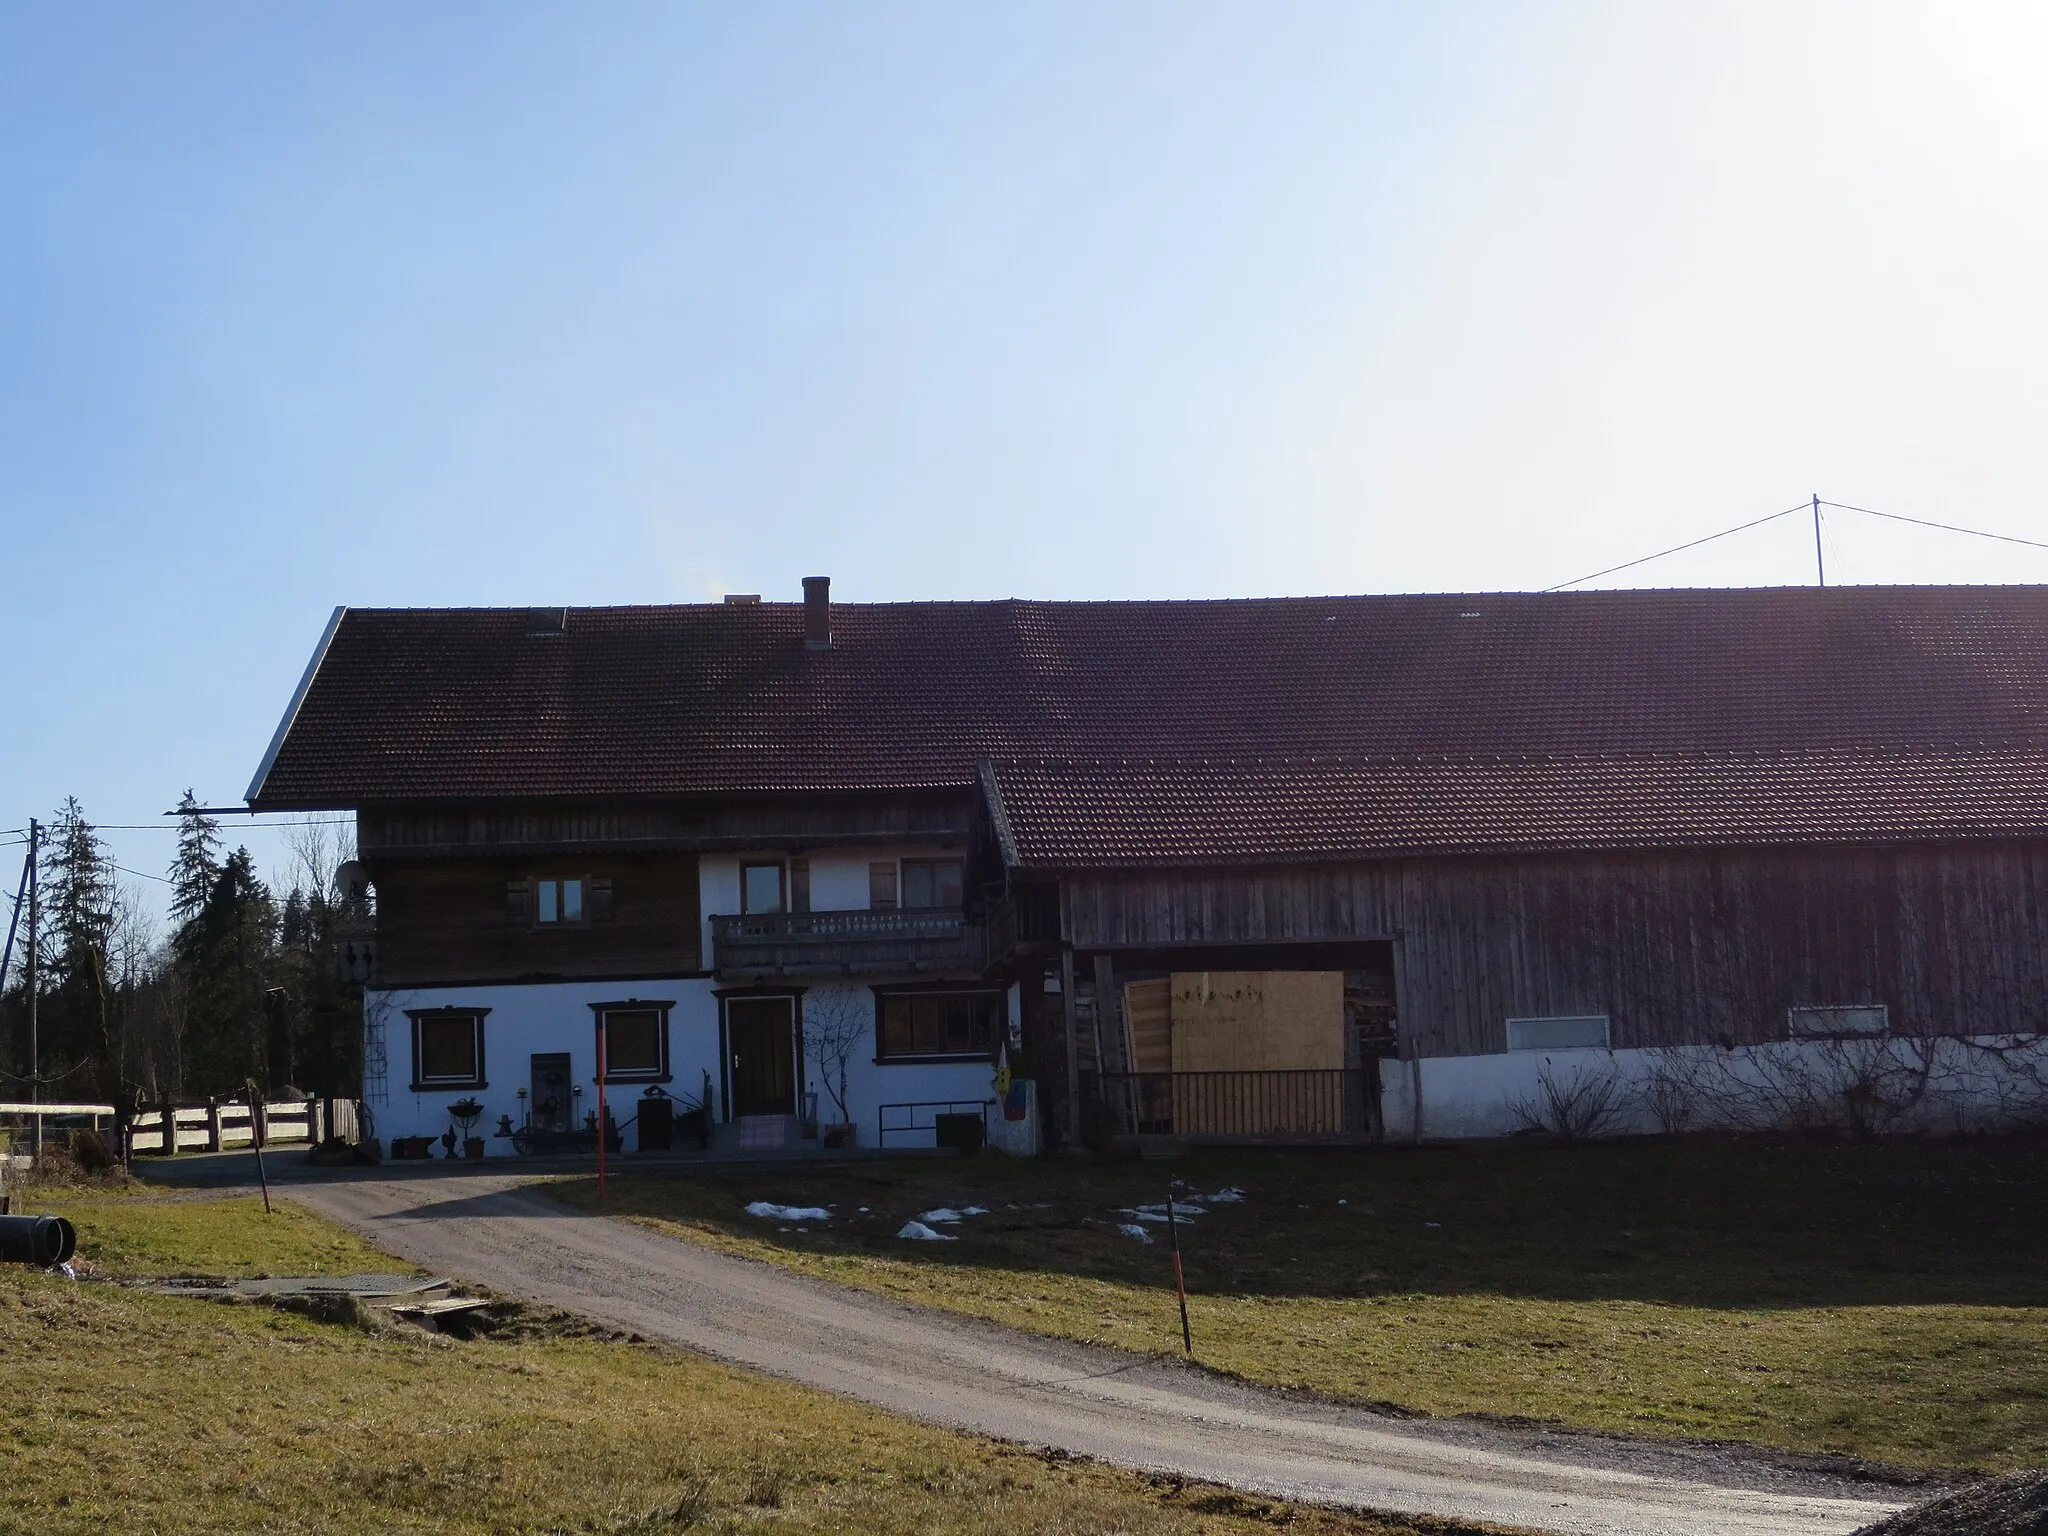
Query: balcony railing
[[1335, 1104], [772, 944]]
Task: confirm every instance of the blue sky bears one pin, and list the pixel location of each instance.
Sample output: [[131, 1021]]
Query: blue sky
[[386, 304]]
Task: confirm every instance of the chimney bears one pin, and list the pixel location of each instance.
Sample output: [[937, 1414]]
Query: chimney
[[817, 613]]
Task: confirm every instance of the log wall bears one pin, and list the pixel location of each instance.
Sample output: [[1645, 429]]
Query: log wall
[[445, 922], [744, 823], [1673, 947]]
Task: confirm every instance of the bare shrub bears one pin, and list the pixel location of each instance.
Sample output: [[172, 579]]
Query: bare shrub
[[1580, 1107], [836, 1025], [1673, 1086]]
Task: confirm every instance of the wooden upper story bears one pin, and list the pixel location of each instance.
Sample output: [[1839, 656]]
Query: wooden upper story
[[747, 889]]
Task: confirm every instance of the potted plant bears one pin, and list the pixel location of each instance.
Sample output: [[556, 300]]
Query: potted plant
[[466, 1113]]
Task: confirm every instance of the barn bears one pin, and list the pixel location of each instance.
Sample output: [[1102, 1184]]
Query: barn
[[1308, 868]]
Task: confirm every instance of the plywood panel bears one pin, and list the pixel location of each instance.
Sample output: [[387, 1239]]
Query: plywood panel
[[1257, 1021], [1148, 1006]]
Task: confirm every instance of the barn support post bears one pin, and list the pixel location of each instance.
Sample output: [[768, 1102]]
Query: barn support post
[[1411, 1042], [1072, 1131]]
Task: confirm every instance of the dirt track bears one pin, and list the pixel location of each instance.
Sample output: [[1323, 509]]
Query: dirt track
[[488, 1229]]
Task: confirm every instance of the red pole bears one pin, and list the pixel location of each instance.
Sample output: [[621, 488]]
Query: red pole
[[603, 1121], [1180, 1286]]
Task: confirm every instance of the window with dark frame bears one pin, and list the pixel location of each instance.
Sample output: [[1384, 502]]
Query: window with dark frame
[[921, 1026], [934, 883], [448, 1048], [558, 902], [635, 1041], [761, 888]]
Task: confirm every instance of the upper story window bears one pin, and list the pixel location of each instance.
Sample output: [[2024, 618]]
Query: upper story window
[[934, 883], [559, 901], [447, 1048], [917, 884], [762, 888]]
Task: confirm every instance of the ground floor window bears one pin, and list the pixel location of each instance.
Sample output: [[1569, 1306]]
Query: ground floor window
[[447, 1048], [925, 1025], [635, 1036]]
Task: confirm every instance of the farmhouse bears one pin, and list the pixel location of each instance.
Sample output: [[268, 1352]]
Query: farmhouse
[[1306, 868]]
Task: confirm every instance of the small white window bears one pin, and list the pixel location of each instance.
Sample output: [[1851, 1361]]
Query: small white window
[[1571, 1032], [1835, 1023], [558, 901]]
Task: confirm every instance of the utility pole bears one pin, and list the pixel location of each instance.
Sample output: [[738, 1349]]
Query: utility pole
[[1819, 564], [35, 1065]]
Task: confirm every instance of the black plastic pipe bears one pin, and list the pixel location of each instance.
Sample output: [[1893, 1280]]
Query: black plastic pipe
[[36, 1240]]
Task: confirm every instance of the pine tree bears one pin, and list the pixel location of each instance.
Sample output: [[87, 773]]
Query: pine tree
[[230, 954], [196, 865], [80, 906]]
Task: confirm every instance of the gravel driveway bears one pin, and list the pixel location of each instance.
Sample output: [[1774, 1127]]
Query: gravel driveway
[[489, 1229]]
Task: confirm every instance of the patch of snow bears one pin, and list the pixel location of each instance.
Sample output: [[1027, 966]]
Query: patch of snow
[[768, 1212], [1183, 1210], [917, 1231], [946, 1216], [1229, 1196], [1132, 1229]]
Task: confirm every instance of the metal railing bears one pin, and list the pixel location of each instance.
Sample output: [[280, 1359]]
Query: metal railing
[[918, 1124], [1331, 1104]]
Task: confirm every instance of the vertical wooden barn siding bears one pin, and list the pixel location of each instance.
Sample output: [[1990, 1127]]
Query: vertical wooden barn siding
[[1674, 947]]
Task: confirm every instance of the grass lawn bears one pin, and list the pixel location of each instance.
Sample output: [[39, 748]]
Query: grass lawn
[[131, 1412], [1884, 1300]]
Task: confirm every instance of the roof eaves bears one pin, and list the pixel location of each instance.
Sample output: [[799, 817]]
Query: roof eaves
[[291, 713], [992, 791]]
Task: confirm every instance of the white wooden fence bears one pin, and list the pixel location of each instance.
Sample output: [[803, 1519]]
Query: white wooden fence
[[219, 1126]]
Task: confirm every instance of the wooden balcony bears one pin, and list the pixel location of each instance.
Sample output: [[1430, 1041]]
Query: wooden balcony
[[767, 945]]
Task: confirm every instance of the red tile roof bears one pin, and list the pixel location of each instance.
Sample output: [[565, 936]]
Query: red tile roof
[[1109, 815], [687, 699]]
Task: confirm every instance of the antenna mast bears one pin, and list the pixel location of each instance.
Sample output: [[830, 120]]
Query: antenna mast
[[1819, 562]]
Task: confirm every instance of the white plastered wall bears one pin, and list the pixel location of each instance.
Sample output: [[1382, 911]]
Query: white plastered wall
[[1978, 1083]]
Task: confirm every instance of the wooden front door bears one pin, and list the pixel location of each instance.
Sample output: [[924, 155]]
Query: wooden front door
[[760, 1035]]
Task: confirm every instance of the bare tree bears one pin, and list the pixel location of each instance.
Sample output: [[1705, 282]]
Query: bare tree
[[837, 1023], [1590, 1102], [318, 848]]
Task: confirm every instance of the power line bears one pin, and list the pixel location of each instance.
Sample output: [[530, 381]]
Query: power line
[[172, 826], [1921, 522], [1676, 548]]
